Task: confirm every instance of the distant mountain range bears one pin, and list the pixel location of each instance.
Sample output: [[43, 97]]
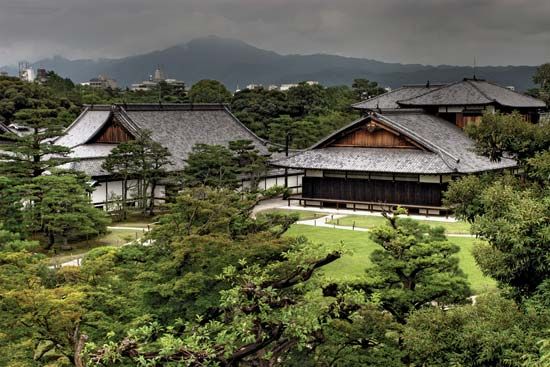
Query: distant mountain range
[[236, 63]]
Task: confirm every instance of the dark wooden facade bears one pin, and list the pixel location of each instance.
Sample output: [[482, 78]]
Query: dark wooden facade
[[113, 133], [373, 134], [371, 187], [382, 191]]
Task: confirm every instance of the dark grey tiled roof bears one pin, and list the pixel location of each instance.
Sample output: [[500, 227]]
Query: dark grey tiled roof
[[179, 131], [472, 92], [177, 127], [389, 100], [443, 137], [448, 150], [368, 159], [84, 127]]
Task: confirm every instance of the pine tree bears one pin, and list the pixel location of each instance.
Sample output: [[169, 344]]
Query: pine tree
[[416, 266], [30, 155], [59, 206]]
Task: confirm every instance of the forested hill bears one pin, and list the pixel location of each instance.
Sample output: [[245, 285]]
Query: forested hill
[[236, 63]]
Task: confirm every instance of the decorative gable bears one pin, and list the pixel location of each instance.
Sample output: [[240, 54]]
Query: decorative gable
[[372, 134], [113, 132]]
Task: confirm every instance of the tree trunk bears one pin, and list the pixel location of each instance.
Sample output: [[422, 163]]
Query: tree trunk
[[51, 240], [152, 202], [124, 199]]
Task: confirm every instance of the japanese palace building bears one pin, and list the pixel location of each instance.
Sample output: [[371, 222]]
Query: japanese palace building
[[178, 127], [406, 148]]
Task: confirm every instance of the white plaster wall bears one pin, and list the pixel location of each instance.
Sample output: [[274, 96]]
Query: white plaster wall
[[430, 179]]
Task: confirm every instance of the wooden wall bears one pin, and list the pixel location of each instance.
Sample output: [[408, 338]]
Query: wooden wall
[[463, 120], [393, 192], [113, 133], [379, 138]]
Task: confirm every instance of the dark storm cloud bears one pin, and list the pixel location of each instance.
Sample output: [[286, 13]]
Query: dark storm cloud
[[423, 31]]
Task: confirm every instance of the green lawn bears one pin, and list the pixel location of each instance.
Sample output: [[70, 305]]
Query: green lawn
[[303, 214], [370, 221], [352, 266], [115, 237]]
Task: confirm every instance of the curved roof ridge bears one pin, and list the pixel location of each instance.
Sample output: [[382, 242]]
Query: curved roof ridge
[[430, 91], [437, 149], [125, 119], [469, 81]]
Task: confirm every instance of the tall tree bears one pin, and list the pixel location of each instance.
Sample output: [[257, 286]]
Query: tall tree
[[250, 163], [211, 165], [542, 79], [209, 91], [60, 207], [30, 155], [120, 163], [142, 159], [365, 89], [499, 134], [515, 226], [415, 266]]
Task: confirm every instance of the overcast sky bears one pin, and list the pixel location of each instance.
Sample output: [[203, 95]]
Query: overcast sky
[[496, 32]]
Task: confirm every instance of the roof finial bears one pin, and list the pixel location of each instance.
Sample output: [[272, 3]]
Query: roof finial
[[475, 62], [428, 84]]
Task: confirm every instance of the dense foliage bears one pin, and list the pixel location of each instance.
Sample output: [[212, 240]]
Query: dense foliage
[[214, 285], [303, 114]]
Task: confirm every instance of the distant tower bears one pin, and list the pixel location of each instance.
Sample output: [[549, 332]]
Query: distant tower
[[159, 75]]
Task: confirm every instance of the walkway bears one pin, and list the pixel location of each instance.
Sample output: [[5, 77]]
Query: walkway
[[322, 222], [281, 204]]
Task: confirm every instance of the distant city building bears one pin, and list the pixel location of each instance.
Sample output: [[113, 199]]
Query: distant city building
[[285, 87], [254, 86], [3, 73], [26, 73], [102, 82], [41, 75], [157, 77], [271, 87]]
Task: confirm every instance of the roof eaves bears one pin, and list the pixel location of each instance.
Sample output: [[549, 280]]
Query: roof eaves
[[126, 121], [86, 109], [469, 81], [541, 102], [427, 92]]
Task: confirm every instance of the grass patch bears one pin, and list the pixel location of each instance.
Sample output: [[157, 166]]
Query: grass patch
[[371, 221], [352, 266], [115, 237], [302, 214]]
